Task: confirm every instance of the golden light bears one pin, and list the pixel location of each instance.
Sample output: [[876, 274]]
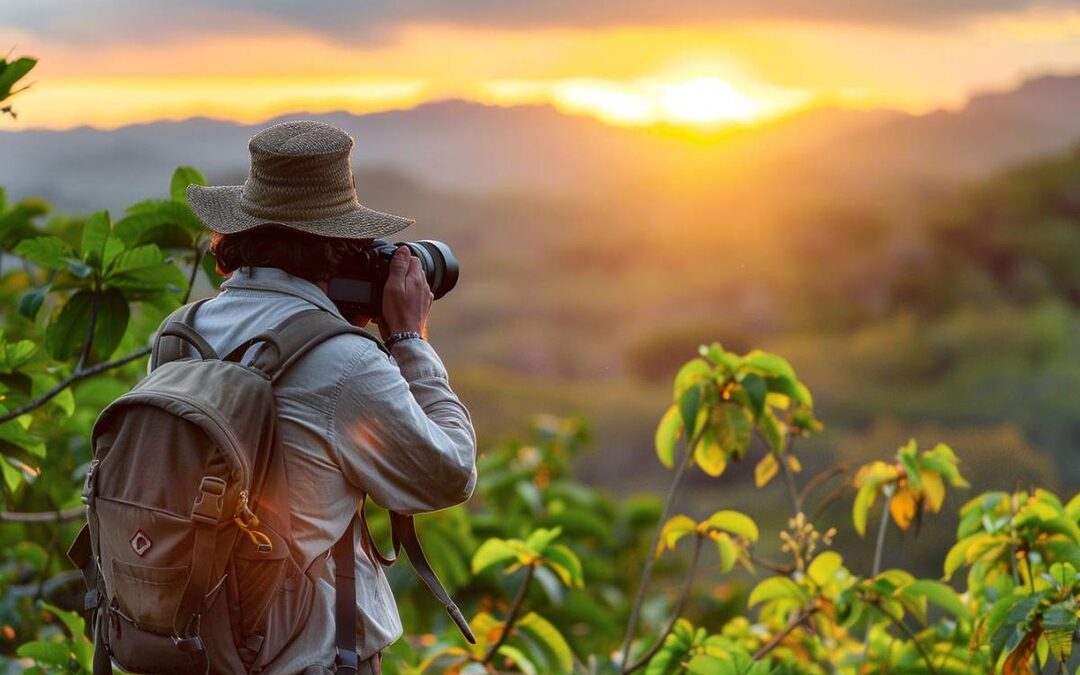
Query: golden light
[[704, 101]]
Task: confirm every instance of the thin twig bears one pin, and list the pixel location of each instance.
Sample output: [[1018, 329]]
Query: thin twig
[[882, 525], [796, 621], [199, 253], [511, 617], [691, 445], [909, 633], [778, 568], [789, 477], [675, 612], [61, 516], [88, 345], [72, 379], [820, 479]]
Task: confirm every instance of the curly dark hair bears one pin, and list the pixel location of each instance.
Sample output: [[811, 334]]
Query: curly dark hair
[[304, 255]]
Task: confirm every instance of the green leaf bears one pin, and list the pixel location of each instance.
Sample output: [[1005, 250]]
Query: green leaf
[[181, 179], [737, 523], [76, 625], [143, 269], [864, 500], [731, 428], [769, 364], [10, 73], [517, 658], [691, 374], [539, 630], [493, 552], [52, 653], [940, 594], [772, 429], [756, 391], [824, 567], [539, 539], [13, 478], [775, 588], [728, 550], [565, 563], [31, 303], [706, 664], [689, 404], [1059, 624], [766, 470], [68, 328], [48, 252], [15, 354], [95, 233], [673, 530], [667, 434]]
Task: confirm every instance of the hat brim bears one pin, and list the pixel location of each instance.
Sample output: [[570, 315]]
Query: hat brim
[[219, 208]]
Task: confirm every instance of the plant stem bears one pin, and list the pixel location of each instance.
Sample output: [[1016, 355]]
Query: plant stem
[[883, 524], [789, 477], [796, 621], [910, 634], [84, 356], [691, 445], [511, 616], [676, 610]]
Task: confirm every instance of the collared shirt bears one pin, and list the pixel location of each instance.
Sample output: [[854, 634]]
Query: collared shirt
[[351, 422]]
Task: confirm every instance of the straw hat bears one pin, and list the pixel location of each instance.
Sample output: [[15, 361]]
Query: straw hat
[[300, 177]]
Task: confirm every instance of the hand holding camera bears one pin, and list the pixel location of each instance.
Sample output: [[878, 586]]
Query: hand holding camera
[[395, 283], [406, 296]]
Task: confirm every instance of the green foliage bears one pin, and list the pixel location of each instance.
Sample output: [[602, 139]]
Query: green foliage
[[544, 565], [10, 74]]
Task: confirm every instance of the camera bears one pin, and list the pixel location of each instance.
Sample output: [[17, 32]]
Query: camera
[[359, 289]]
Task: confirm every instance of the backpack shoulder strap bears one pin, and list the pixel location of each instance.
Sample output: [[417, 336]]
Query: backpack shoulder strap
[[294, 337], [169, 345]]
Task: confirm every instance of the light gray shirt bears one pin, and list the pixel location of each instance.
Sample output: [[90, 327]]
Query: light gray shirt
[[350, 421]]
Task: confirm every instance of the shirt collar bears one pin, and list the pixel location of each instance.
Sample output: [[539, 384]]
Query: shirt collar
[[274, 280]]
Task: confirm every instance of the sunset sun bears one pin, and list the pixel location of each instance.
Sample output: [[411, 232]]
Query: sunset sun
[[704, 101]]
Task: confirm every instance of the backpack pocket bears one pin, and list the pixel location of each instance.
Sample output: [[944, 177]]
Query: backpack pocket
[[149, 595]]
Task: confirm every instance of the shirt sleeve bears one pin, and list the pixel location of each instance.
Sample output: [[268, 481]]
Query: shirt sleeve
[[401, 433]]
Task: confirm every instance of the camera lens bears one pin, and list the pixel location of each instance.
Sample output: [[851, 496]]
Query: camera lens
[[440, 265]]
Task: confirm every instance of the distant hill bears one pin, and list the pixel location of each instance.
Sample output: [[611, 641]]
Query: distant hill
[[467, 147]]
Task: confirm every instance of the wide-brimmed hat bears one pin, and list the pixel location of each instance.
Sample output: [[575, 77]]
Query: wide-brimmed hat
[[301, 178]]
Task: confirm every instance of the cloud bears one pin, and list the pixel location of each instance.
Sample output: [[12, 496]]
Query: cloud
[[371, 21]]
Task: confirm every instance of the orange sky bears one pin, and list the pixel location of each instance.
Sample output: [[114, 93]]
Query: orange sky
[[711, 73]]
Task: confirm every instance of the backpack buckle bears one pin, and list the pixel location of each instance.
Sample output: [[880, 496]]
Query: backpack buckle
[[347, 660], [89, 483], [211, 501]]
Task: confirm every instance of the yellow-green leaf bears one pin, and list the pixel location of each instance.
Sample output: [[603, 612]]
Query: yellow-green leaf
[[766, 470]]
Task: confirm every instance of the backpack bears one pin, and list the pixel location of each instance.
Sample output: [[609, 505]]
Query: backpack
[[187, 540]]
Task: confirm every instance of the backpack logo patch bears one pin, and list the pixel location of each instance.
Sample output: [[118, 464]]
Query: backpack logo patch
[[140, 543]]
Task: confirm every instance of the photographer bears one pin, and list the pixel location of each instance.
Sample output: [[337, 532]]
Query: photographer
[[352, 422]]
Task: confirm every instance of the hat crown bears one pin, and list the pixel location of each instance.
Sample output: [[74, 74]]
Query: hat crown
[[304, 138]]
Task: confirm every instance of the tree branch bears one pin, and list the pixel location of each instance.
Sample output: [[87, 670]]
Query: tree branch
[[61, 516], [676, 610], [820, 479], [511, 616], [669, 502], [796, 621], [72, 379]]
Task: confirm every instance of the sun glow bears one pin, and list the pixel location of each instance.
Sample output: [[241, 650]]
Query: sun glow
[[705, 101], [701, 102]]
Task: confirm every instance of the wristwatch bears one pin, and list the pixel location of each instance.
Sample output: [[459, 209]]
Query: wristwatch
[[398, 337]]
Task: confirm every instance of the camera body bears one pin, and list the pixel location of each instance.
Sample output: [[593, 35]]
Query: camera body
[[359, 289]]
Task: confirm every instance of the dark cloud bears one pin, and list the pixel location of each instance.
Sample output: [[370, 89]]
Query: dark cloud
[[368, 20]]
